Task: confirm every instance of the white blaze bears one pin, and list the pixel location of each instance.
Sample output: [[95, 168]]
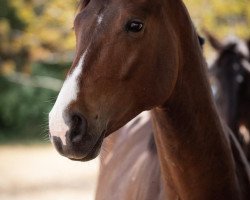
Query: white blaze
[[68, 94]]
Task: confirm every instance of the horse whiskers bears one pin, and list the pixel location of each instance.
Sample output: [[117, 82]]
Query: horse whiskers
[[45, 131], [105, 149], [51, 100]]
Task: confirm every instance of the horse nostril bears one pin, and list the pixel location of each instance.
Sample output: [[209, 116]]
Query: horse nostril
[[76, 120], [78, 128]]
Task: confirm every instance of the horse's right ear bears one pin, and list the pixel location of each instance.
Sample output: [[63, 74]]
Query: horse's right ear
[[214, 42]]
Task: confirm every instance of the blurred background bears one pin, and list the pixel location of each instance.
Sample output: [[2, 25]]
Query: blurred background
[[36, 49]]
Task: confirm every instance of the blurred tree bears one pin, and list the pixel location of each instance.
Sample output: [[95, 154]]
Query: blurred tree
[[36, 41], [35, 30], [223, 17]]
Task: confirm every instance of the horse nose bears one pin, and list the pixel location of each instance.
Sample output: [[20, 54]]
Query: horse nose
[[78, 128]]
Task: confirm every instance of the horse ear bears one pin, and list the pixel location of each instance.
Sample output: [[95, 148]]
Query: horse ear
[[214, 42]]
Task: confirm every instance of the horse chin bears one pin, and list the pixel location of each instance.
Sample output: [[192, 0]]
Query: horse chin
[[93, 153]]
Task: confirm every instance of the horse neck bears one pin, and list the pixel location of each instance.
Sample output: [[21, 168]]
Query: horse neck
[[192, 146], [194, 152]]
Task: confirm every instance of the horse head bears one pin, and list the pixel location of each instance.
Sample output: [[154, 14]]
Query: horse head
[[126, 62]]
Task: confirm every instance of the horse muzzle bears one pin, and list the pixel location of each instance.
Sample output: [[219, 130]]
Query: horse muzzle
[[77, 143]]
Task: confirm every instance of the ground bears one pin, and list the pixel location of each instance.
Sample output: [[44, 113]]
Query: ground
[[39, 172]]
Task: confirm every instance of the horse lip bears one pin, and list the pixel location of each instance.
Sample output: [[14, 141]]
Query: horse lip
[[94, 152]]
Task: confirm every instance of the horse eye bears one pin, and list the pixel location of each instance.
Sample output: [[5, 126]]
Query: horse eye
[[134, 26]]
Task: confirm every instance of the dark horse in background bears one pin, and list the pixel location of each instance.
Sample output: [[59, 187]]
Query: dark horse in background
[[230, 75]]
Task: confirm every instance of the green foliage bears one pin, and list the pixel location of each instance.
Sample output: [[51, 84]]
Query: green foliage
[[23, 111], [36, 39], [34, 30], [7, 11]]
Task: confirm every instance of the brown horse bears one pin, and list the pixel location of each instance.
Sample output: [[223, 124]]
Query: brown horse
[[139, 55]]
